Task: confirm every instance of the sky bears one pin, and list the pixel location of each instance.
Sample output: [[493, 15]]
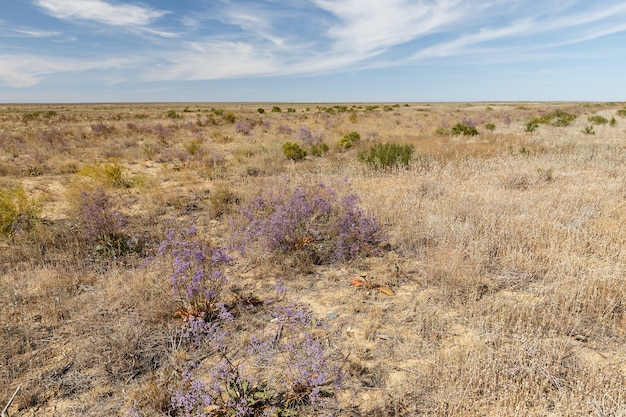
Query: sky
[[312, 50]]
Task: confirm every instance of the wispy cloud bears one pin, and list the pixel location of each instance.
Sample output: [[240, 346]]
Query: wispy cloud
[[349, 33], [100, 11], [35, 33], [20, 71], [259, 38], [570, 28], [372, 26]]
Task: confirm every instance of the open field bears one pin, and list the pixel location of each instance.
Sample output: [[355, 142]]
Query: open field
[[487, 277]]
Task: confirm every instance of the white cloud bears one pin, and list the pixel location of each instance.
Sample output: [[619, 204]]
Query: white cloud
[[35, 33], [270, 38], [212, 60], [100, 11], [359, 31], [569, 28], [372, 26], [20, 71]]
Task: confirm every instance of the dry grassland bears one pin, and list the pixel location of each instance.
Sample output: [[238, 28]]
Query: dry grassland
[[506, 253]]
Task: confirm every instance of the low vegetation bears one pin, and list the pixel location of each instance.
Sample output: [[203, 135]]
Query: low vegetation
[[380, 259]]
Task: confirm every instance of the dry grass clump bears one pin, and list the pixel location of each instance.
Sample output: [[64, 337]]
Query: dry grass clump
[[484, 278]]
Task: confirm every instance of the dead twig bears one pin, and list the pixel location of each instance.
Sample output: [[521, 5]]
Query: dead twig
[[6, 407]]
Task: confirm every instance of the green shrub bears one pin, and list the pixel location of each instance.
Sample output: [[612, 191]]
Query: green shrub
[[345, 143], [261, 110], [293, 151], [108, 174], [490, 127], [319, 149], [588, 130], [597, 120], [193, 147], [387, 156], [353, 136], [173, 115], [230, 118], [622, 112], [463, 129], [557, 118], [276, 109], [613, 122], [348, 140], [442, 131], [17, 211], [532, 125]]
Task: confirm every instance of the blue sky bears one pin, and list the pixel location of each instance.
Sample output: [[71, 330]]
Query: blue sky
[[312, 50]]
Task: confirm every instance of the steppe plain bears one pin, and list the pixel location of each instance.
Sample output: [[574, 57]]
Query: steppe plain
[[498, 287]]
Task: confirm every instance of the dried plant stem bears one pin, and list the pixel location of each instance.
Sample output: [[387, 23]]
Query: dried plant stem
[[6, 407]]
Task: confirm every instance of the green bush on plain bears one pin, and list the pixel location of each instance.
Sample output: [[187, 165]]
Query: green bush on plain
[[388, 155]]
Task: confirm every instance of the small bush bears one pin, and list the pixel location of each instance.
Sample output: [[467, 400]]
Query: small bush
[[490, 127], [18, 213], [102, 129], [293, 151], [245, 126], [230, 118], [261, 110], [276, 109], [108, 174], [613, 122], [222, 200], [532, 126], [442, 131], [305, 135], [387, 156], [304, 375], [345, 144], [101, 224], [588, 130], [353, 136], [197, 275], [193, 147], [319, 149], [597, 120], [347, 141], [173, 115], [622, 112], [315, 223], [557, 118], [463, 129]]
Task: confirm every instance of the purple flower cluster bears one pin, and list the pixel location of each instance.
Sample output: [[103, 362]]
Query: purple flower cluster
[[197, 276], [245, 126], [300, 356], [469, 122], [302, 371], [101, 128], [162, 132], [190, 397], [312, 219], [285, 130], [97, 214], [206, 334], [305, 135]]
